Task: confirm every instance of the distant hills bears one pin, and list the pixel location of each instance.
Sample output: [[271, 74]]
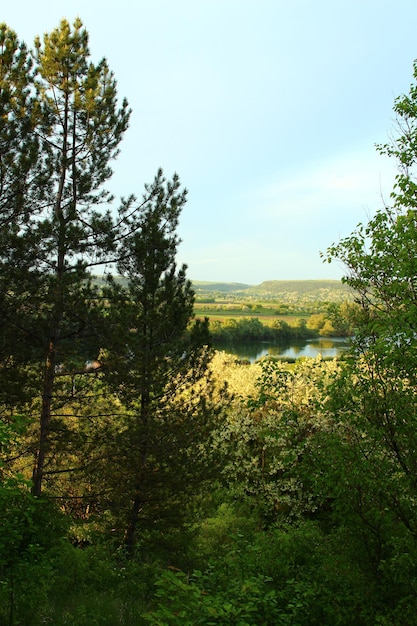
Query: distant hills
[[325, 290], [285, 290], [204, 286]]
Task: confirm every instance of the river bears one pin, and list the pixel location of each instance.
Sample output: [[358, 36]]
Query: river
[[326, 346]]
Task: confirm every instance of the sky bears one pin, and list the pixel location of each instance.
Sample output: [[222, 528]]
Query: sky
[[269, 111]]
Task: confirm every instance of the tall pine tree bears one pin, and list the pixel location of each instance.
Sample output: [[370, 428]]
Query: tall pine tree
[[57, 229], [86, 127], [160, 355]]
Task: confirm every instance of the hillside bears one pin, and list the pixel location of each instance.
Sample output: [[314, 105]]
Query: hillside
[[288, 290], [301, 287], [282, 290], [209, 287]]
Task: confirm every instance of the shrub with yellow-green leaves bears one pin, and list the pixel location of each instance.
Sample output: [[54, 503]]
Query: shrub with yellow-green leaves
[[266, 436], [241, 378]]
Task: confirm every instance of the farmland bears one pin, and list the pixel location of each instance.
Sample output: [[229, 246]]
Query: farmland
[[269, 301]]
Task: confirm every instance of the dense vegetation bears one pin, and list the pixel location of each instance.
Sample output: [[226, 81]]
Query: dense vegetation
[[145, 479]]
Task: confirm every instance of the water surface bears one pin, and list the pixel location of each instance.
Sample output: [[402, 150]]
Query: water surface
[[326, 347]]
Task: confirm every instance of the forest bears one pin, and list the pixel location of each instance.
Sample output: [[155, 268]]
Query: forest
[[146, 478]]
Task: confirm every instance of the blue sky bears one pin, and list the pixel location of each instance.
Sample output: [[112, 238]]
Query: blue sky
[[268, 110]]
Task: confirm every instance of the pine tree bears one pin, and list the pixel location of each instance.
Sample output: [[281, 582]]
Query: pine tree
[[21, 194], [19, 145], [161, 353], [57, 230], [86, 126]]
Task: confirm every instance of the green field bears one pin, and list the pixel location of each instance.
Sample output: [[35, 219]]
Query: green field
[[267, 317]]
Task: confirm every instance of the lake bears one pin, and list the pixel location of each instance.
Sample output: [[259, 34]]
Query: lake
[[326, 346]]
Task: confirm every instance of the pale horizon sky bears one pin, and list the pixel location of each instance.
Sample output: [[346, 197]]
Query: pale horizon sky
[[269, 111]]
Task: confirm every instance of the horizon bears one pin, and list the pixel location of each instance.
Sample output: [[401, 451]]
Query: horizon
[[268, 280], [234, 282]]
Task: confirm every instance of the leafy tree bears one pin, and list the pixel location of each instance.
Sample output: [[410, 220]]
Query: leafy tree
[[316, 321], [266, 439], [375, 400], [159, 355], [282, 329], [342, 317], [380, 256]]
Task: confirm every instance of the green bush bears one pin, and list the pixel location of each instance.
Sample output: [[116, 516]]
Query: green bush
[[30, 530]]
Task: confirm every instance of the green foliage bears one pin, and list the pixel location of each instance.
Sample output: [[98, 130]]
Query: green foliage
[[78, 587], [264, 441], [30, 530], [23, 517], [289, 574], [370, 467], [251, 329], [380, 391], [65, 128], [20, 173], [93, 586], [339, 320], [183, 600], [158, 355]]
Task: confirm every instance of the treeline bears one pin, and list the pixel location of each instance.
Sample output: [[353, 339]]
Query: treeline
[[337, 321], [143, 478], [246, 329]]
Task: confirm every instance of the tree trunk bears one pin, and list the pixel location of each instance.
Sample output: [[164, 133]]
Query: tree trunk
[[45, 418], [132, 525], [58, 295]]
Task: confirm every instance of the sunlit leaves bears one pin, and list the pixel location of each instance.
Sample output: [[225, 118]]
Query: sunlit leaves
[[85, 123], [264, 439]]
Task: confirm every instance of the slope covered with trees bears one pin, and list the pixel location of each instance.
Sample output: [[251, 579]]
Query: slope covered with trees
[[143, 479]]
